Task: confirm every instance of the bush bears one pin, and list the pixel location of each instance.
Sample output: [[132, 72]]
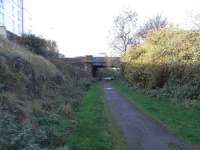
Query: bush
[[40, 46], [19, 137], [56, 127], [168, 59]]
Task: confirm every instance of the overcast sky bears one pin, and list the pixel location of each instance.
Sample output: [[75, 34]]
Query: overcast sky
[[81, 27]]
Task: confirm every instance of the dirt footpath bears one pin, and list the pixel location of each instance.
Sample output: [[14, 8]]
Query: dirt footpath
[[140, 132]]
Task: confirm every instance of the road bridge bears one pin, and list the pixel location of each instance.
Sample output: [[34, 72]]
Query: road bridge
[[88, 63]]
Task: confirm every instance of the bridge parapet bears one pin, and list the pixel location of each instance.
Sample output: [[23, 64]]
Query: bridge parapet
[[88, 59]]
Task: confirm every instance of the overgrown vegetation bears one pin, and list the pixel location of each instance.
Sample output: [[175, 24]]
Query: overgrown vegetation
[[95, 130], [39, 45], [182, 120], [37, 100], [167, 64]]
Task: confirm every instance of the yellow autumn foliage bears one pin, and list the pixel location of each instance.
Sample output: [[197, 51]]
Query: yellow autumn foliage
[[170, 59]]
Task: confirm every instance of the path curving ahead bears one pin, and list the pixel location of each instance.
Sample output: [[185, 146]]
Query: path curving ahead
[[140, 132]]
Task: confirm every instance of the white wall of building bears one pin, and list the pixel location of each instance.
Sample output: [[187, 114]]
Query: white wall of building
[[27, 16], [14, 15]]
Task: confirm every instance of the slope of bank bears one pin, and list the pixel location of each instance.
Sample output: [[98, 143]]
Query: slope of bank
[[37, 100]]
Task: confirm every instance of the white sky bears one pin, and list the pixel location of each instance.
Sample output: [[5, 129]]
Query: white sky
[[81, 27]]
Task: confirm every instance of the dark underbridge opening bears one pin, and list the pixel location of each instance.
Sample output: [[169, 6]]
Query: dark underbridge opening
[[95, 70], [97, 63]]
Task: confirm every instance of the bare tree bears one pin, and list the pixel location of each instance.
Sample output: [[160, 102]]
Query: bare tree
[[153, 24], [195, 18], [123, 31]]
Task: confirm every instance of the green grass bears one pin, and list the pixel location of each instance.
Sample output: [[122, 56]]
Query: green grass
[[95, 130], [184, 122]]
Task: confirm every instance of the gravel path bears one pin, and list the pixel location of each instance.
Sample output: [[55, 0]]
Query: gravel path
[[140, 132]]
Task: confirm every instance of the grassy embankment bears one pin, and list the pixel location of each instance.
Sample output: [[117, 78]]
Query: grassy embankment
[[38, 99], [96, 129], [184, 122]]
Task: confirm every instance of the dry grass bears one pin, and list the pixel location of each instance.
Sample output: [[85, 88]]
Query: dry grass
[[33, 92], [39, 64]]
